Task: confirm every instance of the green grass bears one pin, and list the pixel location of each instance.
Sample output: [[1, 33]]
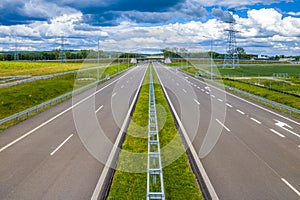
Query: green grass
[[261, 70], [285, 99], [17, 98], [291, 86], [179, 181], [253, 70], [21, 97]]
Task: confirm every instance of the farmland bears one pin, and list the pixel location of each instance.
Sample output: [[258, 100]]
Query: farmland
[[35, 68]]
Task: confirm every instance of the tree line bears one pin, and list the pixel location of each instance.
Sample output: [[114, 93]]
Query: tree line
[[183, 53]]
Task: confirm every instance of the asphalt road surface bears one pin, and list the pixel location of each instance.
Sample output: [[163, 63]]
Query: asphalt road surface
[[250, 152], [45, 156]]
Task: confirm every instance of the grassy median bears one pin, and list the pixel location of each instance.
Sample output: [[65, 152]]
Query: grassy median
[[179, 180]]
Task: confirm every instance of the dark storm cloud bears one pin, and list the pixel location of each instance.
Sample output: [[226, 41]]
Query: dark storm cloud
[[139, 11], [95, 12], [96, 6], [104, 19], [12, 14], [222, 15]]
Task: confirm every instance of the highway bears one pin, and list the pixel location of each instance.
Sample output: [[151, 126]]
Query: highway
[[51, 156], [247, 151]]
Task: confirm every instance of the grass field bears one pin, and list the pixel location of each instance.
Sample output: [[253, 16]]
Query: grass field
[[35, 68], [260, 70], [179, 181], [12, 68]]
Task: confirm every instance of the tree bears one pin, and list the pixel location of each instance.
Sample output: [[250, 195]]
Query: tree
[[240, 52]]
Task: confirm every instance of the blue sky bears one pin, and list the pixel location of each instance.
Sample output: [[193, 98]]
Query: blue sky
[[265, 26]]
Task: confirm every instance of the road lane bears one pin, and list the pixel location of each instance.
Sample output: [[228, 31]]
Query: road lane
[[250, 162], [28, 171]]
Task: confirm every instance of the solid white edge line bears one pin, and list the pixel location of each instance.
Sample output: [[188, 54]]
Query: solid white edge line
[[277, 133], [57, 148], [197, 101], [227, 129], [290, 186], [258, 106], [205, 177], [58, 115], [109, 161], [99, 108], [255, 120], [240, 111]]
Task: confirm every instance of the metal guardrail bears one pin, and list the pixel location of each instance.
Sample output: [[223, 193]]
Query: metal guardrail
[[274, 104], [154, 167], [31, 79], [42, 77], [266, 101], [12, 78], [56, 100]]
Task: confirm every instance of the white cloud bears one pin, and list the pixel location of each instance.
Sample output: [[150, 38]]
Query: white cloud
[[233, 3], [45, 9], [269, 22], [264, 30], [294, 13]]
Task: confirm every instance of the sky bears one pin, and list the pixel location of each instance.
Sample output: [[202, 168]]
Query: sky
[[267, 27]]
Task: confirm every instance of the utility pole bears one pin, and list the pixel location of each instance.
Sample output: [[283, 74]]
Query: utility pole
[[118, 62], [187, 58], [211, 56]]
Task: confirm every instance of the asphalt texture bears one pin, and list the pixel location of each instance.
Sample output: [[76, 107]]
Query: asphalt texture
[[52, 155], [248, 151]]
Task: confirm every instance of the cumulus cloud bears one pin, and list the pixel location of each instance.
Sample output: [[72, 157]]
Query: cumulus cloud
[[26, 12], [224, 16], [268, 22], [134, 26], [234, 3]]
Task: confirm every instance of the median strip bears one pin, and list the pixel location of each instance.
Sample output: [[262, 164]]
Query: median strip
[[179, 181]]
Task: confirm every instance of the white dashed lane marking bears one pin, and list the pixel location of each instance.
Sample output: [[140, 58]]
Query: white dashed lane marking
[[227, 129], [240, 111], [255, 120], [197, 101]]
